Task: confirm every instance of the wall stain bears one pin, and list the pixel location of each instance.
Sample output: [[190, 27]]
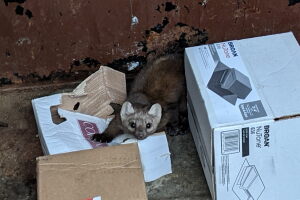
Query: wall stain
[[122, 64], [293, 2], [7, 53], [159, 27], [5, 81], [203, 3], [170, 34], [28, 13], [34, 77], [19, 10], [156, 43], [169, 6], [187, 8], [84, 64], [143, 45], [13, 1], [158, 8], [192, 37], [181, 24], [172, 41]]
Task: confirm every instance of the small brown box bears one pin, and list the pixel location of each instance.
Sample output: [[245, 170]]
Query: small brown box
[[113, 173]]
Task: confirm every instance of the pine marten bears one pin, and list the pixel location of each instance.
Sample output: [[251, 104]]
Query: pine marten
[[154, 103]]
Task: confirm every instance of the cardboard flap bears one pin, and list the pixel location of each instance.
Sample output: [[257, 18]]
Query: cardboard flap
[[109, 172], [94, 94]]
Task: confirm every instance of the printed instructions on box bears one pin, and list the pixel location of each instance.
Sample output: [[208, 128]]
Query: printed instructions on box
[[244, 161]]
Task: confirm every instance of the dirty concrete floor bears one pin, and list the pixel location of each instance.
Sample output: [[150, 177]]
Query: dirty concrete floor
[[19, 146]]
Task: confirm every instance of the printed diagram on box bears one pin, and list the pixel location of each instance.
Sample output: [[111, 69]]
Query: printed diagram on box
[[248, 184], [227, 82]]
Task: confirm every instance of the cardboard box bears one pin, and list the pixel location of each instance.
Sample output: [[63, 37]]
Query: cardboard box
[[94, 95], [111, 173], [67, 121], [243, 106], [65, 124]]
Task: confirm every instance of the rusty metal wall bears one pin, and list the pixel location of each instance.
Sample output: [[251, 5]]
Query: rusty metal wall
[[53, 40]]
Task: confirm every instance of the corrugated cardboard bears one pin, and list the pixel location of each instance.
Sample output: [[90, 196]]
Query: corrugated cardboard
[[249, 147], [74, 134], [113, 173], [94, 94], [67, 121], [109, 172]]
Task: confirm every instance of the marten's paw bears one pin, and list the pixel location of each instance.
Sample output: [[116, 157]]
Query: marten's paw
[[179, 128], [184, 125], [103, 138], [172, 129]]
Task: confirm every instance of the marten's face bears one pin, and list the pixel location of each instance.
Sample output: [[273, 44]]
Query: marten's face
[[140, 122]]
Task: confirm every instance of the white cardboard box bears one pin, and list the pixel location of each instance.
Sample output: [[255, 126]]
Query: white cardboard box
[[244, 108]]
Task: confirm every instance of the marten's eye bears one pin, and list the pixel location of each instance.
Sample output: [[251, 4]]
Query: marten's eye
[[132, 124], [148, 125]]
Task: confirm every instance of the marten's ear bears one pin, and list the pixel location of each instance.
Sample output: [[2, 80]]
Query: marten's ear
[[155, 111], [127, 109]]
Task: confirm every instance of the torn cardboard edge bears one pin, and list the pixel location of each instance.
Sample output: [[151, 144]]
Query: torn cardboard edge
[[286, 117], [106, 172], [94, 94]]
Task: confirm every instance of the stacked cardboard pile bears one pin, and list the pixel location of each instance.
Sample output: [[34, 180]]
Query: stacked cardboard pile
[[66, 123]]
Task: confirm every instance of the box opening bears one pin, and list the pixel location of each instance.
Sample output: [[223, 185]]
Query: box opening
[[286, 117]]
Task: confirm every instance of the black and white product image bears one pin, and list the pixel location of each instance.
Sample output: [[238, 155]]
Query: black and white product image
[[252, 110], [228, 83], [248, 184]]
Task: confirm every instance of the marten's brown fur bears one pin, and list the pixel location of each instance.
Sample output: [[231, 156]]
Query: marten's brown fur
[[157, 96]]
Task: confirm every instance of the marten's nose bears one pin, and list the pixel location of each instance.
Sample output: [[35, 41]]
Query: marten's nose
[[140, 133], [140, 136]]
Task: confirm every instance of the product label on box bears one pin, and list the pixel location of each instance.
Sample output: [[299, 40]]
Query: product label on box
[[252, 110], [245, 158], [88, 129], [229, 85]]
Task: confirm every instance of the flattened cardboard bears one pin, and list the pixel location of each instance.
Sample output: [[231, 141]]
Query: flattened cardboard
[[94, 94], [113, 173]]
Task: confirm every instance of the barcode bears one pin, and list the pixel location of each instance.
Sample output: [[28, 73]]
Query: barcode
[[230, 142]]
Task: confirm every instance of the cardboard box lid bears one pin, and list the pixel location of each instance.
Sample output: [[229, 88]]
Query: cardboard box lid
[[113, 173], [94, 94], [273, 62]]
